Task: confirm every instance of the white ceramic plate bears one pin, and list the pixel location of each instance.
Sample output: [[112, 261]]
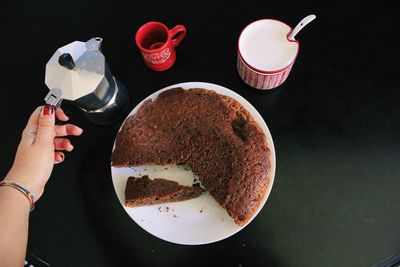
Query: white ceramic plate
[[192, 222]]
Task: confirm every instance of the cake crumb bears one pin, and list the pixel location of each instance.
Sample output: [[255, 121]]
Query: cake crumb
[[175, 216], [165, 168], [222, 219], [163, 209]]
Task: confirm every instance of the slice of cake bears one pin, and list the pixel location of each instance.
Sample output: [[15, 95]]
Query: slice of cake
[[143, 191]]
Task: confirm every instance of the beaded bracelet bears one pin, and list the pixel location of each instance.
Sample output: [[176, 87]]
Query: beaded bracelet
[[21, 188]]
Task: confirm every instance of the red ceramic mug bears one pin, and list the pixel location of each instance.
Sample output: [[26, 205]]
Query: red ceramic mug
[[157, 44]]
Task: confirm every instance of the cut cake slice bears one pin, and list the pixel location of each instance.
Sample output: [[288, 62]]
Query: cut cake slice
[[143, 191]]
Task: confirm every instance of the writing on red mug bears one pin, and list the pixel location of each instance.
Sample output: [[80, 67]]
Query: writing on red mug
[[157, 58], [157, 44]]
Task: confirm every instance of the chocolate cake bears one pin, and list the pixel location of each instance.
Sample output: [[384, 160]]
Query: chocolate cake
[[143, 191], [213, 134]]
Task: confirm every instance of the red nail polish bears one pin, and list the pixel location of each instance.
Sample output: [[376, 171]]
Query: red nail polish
[[48, 110]]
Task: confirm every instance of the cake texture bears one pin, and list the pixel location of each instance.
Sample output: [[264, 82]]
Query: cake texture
[[143, 191], [213, 134]]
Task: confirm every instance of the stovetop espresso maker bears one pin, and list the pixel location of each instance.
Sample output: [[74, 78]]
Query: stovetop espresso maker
[[78, 72]]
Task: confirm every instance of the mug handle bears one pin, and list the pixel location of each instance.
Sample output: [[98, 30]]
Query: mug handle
[[177, 33]]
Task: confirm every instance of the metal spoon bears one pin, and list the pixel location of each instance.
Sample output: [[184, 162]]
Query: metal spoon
[[300, 26]]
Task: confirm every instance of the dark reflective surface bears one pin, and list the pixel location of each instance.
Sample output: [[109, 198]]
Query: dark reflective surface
[[335, 123]]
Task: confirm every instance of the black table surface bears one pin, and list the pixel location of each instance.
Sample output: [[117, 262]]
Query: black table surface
[[335, 123]]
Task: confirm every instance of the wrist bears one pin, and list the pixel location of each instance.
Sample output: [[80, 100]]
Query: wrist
[[26, 181], [14, 198]]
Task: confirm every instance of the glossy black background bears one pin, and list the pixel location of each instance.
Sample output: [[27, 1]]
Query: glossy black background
[[335, 123]]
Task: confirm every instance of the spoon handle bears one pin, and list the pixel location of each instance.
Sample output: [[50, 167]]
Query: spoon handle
[[300, 26]]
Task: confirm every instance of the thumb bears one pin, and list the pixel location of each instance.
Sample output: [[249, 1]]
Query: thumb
[[45, 132]]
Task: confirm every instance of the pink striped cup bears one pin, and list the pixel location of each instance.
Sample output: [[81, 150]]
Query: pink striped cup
[[265, 54]]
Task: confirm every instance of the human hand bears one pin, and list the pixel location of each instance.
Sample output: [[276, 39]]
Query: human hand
[[36, 153]]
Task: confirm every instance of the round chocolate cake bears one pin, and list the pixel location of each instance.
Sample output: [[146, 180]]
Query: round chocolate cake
[[213, 134]]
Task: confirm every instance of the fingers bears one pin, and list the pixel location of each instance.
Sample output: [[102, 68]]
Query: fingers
[[61, 115], [67, 129], [40, 128], [45, 126], [58, 157], [63, 144], [30, 131]]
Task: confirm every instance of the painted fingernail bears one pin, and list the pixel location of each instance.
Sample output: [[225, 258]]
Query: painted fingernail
[[48, 109]]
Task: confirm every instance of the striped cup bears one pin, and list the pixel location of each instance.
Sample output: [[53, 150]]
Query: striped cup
[[265, 54]]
